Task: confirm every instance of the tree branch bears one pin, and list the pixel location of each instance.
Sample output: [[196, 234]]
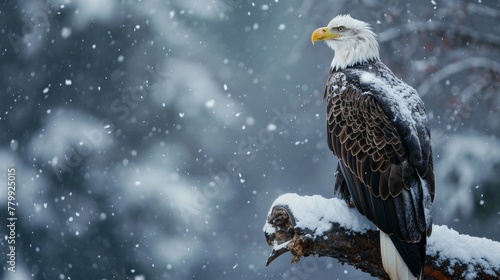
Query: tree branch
[[296, 224], [457, 67]]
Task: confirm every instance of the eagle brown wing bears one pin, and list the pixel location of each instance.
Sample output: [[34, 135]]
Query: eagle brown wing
[[375, 164]]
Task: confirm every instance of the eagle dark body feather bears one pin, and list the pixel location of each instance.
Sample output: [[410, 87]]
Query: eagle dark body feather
[[378, 129]]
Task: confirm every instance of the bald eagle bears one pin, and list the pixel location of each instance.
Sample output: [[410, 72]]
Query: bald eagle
[[377, 127]]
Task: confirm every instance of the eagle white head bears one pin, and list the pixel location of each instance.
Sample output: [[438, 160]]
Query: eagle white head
[[352, 40]]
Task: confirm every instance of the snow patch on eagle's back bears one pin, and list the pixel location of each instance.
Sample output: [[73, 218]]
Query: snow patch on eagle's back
[[403, 99]]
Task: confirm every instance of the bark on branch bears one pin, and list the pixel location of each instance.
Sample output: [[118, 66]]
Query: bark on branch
[[285, 232]]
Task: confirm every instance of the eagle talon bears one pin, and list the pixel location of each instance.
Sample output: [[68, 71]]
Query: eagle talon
[[351, 204]]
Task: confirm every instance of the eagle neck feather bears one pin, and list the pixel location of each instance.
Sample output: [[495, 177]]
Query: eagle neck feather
[[360, 49]]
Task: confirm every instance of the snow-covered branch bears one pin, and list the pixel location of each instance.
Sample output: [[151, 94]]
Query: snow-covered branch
[[313, 225], [459, 66], [460, 34]]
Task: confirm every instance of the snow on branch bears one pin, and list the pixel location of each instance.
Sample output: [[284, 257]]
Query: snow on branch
[[456, 67], [314, 225], [461, 33]]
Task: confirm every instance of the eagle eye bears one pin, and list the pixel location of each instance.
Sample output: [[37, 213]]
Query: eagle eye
[[340, 28]]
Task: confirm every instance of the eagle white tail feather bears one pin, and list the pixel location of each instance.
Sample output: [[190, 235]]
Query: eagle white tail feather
[[393, 263]]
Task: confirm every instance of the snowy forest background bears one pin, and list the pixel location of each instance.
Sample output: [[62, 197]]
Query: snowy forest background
[[151, 137]]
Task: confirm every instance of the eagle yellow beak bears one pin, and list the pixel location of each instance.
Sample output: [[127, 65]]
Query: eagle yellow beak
[[323, 33]]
